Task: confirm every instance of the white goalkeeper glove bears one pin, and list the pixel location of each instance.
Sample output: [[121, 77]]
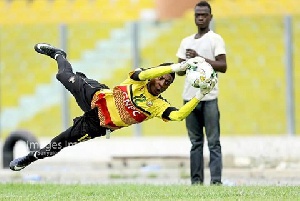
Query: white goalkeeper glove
[[205, 88], [182, 66], [188, 64]]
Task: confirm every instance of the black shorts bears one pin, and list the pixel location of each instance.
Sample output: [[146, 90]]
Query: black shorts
[[87, 127], [81, 87], [85, 89]]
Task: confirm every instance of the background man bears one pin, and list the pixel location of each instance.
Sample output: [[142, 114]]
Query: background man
[[209, 45]]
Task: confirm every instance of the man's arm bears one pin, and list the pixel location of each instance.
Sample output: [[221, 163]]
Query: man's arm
[[220, 64]]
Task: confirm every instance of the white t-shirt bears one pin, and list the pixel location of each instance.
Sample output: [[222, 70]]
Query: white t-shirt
[[208, 46]]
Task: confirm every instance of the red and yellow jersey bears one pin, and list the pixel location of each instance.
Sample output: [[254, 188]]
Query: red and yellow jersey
[[131, 103], [126, 104]]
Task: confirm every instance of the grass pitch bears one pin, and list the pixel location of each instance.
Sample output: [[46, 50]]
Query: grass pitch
[[145, 192]]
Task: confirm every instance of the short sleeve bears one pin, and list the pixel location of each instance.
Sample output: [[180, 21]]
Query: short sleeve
[[181, 50], [219, 46]]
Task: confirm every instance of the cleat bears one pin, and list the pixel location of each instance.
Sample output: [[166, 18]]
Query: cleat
[[49, 50], [20, 163]]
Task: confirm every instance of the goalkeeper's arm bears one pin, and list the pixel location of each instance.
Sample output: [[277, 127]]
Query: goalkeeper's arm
[[150, 73], [178, 115], [147, 74], [183, 112]]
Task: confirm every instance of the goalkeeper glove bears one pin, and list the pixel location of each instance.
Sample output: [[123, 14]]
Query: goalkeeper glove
[[188, 64], [182, 66], [205, 88]]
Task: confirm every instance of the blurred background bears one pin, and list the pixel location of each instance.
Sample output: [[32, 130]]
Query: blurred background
[[106, 39]]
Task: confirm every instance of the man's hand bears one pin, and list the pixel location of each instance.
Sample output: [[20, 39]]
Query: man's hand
[[190, 53]]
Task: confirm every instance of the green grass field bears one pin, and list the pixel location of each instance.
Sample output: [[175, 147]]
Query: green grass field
[[145, 192]]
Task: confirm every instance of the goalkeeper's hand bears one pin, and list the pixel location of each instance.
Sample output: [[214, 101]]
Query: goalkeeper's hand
[[188, 64], [205, 88]]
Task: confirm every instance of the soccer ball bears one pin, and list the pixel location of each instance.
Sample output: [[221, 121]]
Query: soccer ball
[[200, 74]]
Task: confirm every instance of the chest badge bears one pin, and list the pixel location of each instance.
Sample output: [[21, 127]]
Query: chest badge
[[149, 103]]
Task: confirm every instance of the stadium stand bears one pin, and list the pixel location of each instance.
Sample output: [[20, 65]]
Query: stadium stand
[[70, 11], [84, 30]]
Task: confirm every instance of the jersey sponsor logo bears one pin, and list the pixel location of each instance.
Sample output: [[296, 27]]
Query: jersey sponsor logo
[[129, 106]]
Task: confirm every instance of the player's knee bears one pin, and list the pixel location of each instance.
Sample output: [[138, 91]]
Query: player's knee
[[64, 75], [60, 76]]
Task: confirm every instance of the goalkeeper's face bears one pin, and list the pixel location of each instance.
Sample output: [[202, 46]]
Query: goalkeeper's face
[[160, 84]]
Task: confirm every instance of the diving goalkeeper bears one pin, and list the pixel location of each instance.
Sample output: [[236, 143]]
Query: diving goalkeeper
[[135, 100]]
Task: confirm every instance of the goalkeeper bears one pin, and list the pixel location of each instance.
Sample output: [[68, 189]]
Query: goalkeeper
[[135, 100]]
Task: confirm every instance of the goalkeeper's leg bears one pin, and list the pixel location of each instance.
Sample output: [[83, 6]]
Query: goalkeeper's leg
[[84, 128], [81, 87], [55, 146]]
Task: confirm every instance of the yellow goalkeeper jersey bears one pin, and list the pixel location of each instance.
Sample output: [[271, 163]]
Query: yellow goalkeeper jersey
[[130, 102]]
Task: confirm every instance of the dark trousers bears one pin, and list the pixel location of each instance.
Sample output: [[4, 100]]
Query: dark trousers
[[84, 127], [205, 115]]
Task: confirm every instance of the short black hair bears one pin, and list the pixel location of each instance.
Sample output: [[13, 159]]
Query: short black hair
[[204, 3]]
